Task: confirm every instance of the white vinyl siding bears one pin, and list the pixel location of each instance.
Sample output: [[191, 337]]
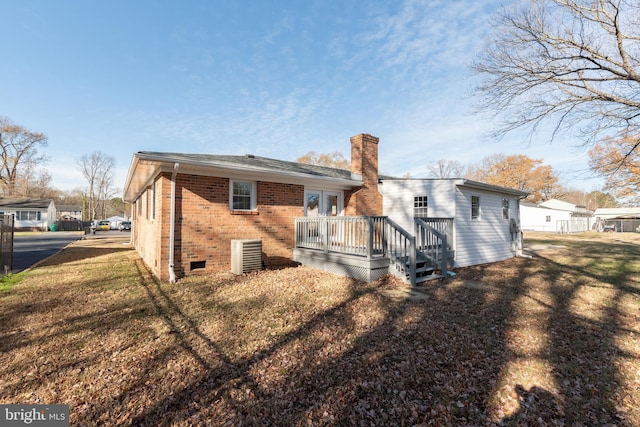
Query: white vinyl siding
[[399, 198], [475, 241], [488, 240]]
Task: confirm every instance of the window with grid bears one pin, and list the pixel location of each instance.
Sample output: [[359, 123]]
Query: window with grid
[[548, 218], [420, 207], [242, 196], [475, 207], [505, 208]]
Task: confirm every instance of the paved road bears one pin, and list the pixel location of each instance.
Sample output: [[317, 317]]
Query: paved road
[[28, 249]]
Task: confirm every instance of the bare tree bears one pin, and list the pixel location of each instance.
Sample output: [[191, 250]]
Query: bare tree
[[97, 168], [573, 64], [332, 160], [18, 152], [446, 169]]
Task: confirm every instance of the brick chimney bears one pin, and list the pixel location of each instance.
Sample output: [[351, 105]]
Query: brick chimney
[[365, 200]]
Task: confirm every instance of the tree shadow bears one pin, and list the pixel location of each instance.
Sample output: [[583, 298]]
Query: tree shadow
[[583, 347], [421, 362], [435, 360], [537, 406]]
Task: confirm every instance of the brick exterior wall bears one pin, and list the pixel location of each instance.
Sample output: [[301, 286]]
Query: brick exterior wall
[[365, 200], [205, 225], [150, 234]]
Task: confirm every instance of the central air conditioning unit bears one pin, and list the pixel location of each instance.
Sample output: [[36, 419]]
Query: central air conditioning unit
[[246, 255]]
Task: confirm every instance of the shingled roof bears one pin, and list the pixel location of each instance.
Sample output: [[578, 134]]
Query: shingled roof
[[24, 204], [146, 164], [250, 161]]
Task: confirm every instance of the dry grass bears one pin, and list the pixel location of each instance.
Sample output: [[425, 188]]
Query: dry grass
[[552, 340]]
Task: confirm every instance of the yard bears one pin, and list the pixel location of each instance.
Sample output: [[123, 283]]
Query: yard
[[550, 340]]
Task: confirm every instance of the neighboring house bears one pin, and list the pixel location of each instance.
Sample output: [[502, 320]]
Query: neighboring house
[[30, 214], [555, 216], [190, 209], [617, 219], [69, 212]]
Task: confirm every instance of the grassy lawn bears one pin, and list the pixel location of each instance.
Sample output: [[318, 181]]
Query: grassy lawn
[[550, 340]]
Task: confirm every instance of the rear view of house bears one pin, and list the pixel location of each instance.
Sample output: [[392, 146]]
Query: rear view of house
[[189, 208]]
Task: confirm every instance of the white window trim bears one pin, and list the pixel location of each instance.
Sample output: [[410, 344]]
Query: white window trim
[[508, 208], [254, 195], [477, 218], [322, 193]]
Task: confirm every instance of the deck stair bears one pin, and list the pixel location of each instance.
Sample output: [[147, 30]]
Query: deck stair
[[417, 258], [369, 247]]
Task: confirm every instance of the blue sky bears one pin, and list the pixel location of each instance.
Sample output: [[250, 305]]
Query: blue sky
[[271, 78]]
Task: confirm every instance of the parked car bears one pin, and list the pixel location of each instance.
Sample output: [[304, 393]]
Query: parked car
[[125, 225], [103, 226]]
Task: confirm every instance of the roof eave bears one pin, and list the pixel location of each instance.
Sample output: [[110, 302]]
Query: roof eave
[[490, 187], [131, 192]]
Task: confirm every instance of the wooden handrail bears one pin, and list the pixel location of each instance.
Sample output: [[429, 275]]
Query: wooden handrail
[[367, 236]]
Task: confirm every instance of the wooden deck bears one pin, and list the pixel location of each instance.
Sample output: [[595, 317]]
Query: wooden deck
[[368, 247]]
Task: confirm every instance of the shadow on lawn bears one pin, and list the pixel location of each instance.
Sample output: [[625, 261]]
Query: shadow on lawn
[[436, 360], [81, 253], [584, 350]]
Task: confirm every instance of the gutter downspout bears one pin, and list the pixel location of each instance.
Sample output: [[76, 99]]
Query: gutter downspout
[[172, 226], [520, 237]]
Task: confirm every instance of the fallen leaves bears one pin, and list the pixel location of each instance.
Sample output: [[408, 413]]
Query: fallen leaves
[[527, 341]]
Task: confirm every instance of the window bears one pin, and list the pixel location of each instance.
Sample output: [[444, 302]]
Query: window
[[322, 203], [475, 207], [548, 218], [420, 207], [153, 201], [243, 196], [146, 203], [505, 208], [312, 203], [28, 215]]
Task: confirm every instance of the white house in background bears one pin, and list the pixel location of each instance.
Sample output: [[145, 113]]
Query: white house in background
[[482, 218], [30, 214], [555, 216], [617, 219], [69, 212]]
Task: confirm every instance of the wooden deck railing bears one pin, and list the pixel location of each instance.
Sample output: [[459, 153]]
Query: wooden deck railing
[[444, 226], [401, 250], [432, 243], [379, 236], [352, 235]]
